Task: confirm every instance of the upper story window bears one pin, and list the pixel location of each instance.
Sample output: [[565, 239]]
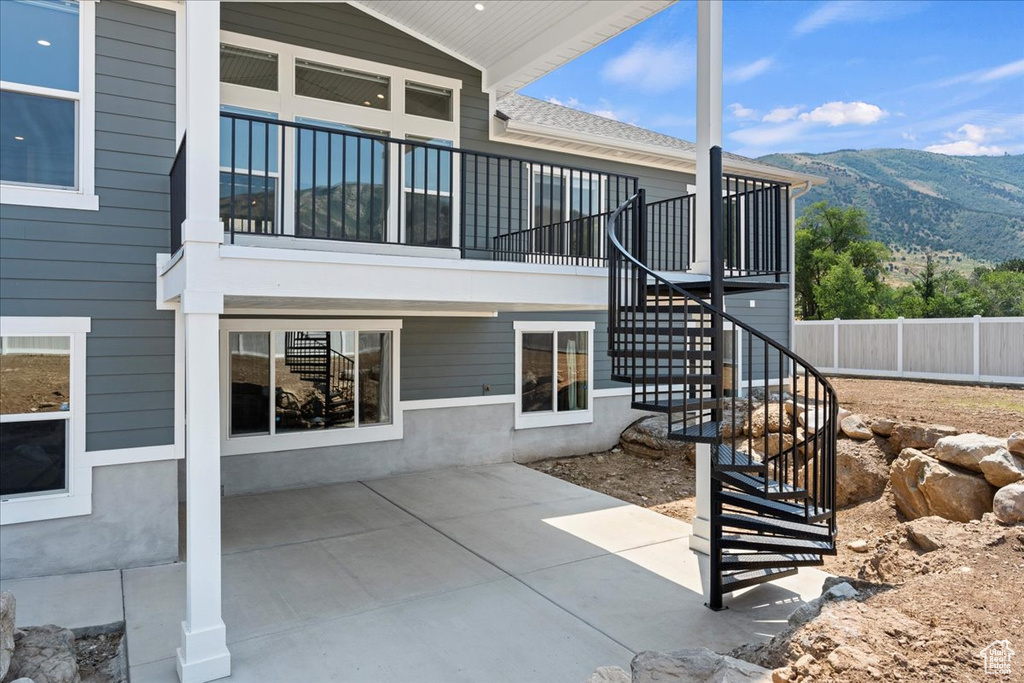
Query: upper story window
[[428, 101], [46, 103], [250, 68], [342, 85]]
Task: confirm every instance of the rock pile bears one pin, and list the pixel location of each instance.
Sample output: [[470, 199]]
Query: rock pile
[[696, 665]]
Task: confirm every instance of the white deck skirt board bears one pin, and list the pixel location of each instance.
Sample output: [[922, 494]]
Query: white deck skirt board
[[264, 278], [513, 43]]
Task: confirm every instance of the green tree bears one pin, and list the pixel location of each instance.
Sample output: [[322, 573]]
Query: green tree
[[823, 233], [845, 292]]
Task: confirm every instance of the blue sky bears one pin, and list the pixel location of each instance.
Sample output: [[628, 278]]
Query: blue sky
[[939, 75]]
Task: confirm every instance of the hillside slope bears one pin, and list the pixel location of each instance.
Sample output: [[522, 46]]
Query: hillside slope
[[968, 205]]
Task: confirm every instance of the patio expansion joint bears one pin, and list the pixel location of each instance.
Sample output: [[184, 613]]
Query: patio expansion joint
[[513, 576]]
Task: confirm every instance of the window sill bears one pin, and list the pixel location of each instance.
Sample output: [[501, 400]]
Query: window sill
[[48, 198], [573, 417], [43, 507], [243, 445]]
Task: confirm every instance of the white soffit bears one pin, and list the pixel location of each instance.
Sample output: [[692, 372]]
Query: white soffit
[[513, 42]]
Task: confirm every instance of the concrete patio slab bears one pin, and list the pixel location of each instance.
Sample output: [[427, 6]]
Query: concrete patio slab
[[496, 632], [69, 600]]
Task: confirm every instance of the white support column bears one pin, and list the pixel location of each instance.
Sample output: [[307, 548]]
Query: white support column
[[709, 119], [203, 655], [709, 134]]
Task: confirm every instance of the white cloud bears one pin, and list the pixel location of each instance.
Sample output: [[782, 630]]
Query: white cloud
[[996, 73], [741, 112], [572, 102], [744, 73], [781, 114], [606, 113], [845, 113], [968, 140], [766, 136], [909, 137], [850, 11], [652, 67]]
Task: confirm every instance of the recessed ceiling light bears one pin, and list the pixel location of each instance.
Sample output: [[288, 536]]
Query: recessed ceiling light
[[479, 7], [18, 137], [44, 43], [380, 96], [366, 102]]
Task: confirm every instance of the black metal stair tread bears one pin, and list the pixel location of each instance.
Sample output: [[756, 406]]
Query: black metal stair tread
[[744, 579], [689, 379], [768, 560], [768, 488], [727, 459], [655, 330], [675, 405], [776, 543], [781, 527], [703, 431], [775, 508]]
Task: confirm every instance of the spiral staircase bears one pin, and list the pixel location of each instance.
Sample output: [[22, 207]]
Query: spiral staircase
[[772, 495]]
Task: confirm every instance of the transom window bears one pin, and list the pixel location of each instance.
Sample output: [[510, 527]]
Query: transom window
[[554, 365], [45, 98], [293, 384]]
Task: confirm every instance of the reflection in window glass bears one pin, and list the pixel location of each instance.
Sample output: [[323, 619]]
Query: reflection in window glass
[[342, 85], [33, 457], [375, 378], [250, 382], [428, 201], [429, 101], [248, 67], [548, 199], [35, 375], [344, 194], [315, 380], [537, 368], [572, 371], [37, 139], [249, 175], [39, 43]]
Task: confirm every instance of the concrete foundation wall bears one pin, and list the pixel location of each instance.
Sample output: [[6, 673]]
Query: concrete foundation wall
[[134, 523], [434, 438]]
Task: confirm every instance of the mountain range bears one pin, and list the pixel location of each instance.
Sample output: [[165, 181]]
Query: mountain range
[[920, 201]]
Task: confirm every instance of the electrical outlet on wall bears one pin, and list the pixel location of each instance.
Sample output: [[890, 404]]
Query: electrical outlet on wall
[[487, 389]]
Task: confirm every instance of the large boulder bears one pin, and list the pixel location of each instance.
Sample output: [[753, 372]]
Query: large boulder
[[7, 608], [609, 674], [924, 486], [916, 435], [1015, 444], [929, 533], [45, 654], [1002, 468], [648, 438], [697, 665], [861, 472], [855, 428], [768, 418], [1008, 505], [882, 426], [967, 450]]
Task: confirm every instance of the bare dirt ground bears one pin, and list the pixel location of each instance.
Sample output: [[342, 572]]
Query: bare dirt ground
[[922, 616]]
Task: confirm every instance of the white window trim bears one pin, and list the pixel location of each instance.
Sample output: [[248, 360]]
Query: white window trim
[[287, 105], [267, 443], [84, 197], [77, 499], [553, 418]]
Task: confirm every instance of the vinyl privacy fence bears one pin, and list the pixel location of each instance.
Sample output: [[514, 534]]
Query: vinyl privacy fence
[[979, 349]]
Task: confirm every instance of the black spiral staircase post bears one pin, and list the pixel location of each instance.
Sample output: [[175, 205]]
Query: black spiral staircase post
[[717, 292]]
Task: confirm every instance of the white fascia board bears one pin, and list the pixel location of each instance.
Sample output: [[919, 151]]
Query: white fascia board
[[256, 272], [614, 149]]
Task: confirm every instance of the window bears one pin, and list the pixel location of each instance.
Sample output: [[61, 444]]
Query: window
[[248, 171], [428, 192], [342, 85], [554, 366], [41, 398], [295, 384], [250, 68], [46, 110], [429, 101]]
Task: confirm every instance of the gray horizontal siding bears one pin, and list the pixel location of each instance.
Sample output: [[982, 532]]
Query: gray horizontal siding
[[457, 357], [771, 317], [101, 264]]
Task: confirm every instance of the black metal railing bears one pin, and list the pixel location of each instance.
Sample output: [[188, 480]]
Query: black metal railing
[[756, 226], [317, 181], [670, 234], [177, 189]]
